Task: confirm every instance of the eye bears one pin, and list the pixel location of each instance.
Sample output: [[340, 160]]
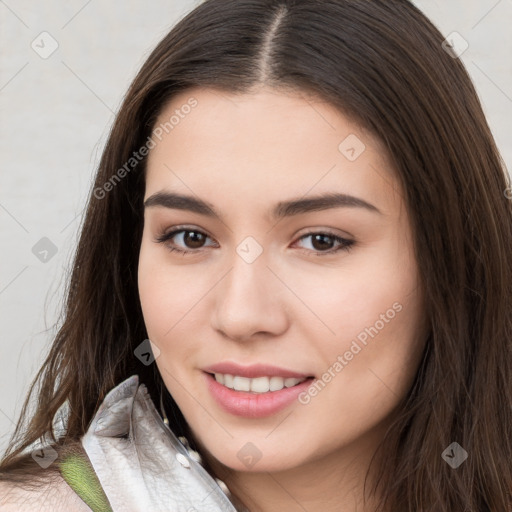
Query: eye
[[321, 242], [196, 240]]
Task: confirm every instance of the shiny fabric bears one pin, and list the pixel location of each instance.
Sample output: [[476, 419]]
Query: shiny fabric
[[141, 464]]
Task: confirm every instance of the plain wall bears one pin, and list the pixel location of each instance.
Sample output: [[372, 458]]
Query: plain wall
[[55, 116]]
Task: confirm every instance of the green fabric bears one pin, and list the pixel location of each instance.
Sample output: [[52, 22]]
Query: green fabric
[[80, 476]]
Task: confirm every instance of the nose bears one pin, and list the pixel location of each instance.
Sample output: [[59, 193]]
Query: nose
[[250, 301]]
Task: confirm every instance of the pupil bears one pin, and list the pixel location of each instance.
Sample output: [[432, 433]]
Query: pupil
[[322, 238], [198, 239]]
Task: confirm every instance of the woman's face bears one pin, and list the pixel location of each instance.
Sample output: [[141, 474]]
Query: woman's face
[[278, 284]]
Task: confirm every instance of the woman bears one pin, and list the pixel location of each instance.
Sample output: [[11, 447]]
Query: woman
[[371, 373]]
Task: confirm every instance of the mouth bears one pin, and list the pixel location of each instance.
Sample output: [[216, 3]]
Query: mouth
[[255, 397], [257, 385]]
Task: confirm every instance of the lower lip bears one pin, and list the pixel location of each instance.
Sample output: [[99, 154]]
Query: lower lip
[[254, 405]]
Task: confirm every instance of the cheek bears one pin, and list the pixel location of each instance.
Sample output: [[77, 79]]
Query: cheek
[[164, 302], [349, 298], [161, 292], [170, 297], [374, 310]]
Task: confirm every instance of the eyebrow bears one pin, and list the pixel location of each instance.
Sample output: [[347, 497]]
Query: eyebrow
[[281, 210]]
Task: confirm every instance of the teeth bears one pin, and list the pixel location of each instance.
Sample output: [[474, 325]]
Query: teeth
[[256, 385], [260, 384], [276, 383], [228, 380], [241, 383], [291, 382]]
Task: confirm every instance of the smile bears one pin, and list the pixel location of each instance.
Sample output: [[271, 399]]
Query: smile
[[258, 384], [255, 397]]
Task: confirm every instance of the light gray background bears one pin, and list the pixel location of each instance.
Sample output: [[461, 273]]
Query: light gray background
[[55, 116]]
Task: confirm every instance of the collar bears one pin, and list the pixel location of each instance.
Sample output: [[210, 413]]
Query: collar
[[140, 462]]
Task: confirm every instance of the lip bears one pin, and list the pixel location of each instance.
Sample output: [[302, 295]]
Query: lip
[[253, 371], [253, 405]]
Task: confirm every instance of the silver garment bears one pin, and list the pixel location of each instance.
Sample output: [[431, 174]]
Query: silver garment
[[140, 462]]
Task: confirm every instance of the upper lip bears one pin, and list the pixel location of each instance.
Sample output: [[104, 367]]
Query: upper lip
[[253, 370]]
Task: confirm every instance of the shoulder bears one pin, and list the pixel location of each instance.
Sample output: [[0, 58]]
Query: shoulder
[[54, 495]]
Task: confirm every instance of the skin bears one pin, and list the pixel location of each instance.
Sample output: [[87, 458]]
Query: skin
[[291, 307], [54, 496]]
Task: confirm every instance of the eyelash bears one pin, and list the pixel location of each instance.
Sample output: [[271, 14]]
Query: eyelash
[[346, 245]]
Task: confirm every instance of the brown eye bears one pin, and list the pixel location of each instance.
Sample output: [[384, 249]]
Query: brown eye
[[191, 240], [180, 240], [195, 241], [323, 243]]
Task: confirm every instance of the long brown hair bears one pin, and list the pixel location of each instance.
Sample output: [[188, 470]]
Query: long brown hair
[[381, 62]]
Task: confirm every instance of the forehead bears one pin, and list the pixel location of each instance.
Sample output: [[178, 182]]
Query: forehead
[[265, 145]]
